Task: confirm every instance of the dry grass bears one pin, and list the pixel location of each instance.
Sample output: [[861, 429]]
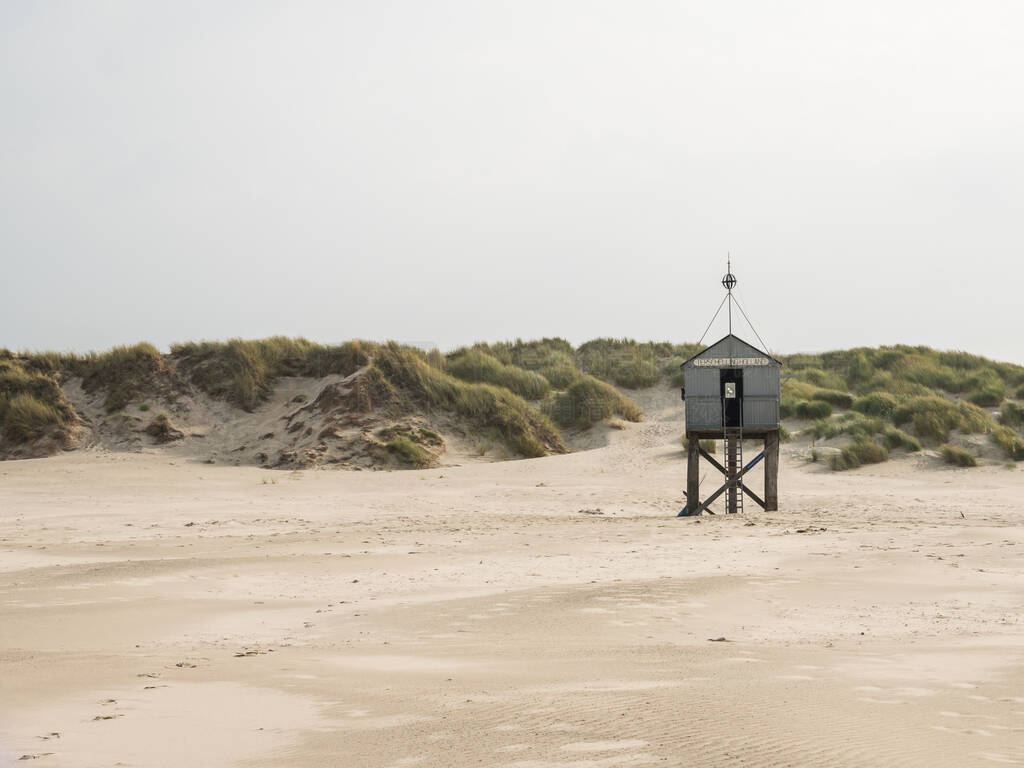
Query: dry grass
[[588, 401], [244, 371], [958, 456], [861, 451], [1011, 443], [478, 366], [31, 401]]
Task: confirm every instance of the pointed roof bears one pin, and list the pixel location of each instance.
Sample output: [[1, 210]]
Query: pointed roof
[[732, 345]]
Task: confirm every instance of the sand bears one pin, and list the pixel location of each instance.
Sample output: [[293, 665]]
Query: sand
[[159, 611]]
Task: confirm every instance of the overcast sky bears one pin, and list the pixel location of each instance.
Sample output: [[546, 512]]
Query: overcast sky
[[448, 172]]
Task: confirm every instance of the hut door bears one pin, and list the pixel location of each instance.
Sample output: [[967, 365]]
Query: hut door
[[732, 396]]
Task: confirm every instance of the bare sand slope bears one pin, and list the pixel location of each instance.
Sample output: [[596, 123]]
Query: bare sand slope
[[550, 612]]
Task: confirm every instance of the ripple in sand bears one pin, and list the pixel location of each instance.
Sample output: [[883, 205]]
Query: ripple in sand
[[603, 746]]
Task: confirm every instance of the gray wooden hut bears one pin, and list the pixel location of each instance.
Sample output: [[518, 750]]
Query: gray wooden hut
[[732, 394], [731, 385]]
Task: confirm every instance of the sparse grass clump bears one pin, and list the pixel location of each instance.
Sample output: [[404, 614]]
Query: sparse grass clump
[[861, 451], [1011, 415], [985, 388], [784, 435], [1008, 439], [812, 409], [477, 366], [958, 456], [418, 435], [880, 404], [123, 372], [589, 400], [897, 438], [973, 419], [406, 451]]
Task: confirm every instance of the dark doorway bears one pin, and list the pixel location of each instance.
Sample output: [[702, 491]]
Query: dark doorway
[[732, 396]]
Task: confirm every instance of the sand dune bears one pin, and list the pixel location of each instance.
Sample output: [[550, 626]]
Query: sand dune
[[158, 611]]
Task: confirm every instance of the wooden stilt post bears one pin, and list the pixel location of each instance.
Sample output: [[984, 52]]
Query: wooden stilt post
[[692, 475], [771, 472]]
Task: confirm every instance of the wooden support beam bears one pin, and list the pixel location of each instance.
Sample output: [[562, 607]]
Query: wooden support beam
[[713, 462], [692, 478], [753, 495], [771, 471], [724, 488]]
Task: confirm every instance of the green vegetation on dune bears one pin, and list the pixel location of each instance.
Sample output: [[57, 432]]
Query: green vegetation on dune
[[123, 372], [624, 362], [244, 371], [925, 393], [589, 400], [24, 417], [896, 397], [477, 366], [31, 401], [408, 452], [958, 456], [861, 451], [553, 358], [415, 382], [1011, 443], [1011, 415]]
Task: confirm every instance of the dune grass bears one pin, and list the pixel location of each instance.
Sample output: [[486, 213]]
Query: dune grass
[[122, 372], [904, 394], [1011, 443], [1011, 415], [477, 366], [624, 362], [881, 404], [408, 452], [415, 382], [23, 417], [590, 400], [244, 371], [958, 456], [933, 416], [861, 451], [31, 401], [897, 438], [909, 371], [811, 409]]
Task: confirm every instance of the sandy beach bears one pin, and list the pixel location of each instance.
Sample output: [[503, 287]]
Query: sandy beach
[[158, 611]]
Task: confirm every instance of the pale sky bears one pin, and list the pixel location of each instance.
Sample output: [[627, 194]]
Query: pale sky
[[448, 172]]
